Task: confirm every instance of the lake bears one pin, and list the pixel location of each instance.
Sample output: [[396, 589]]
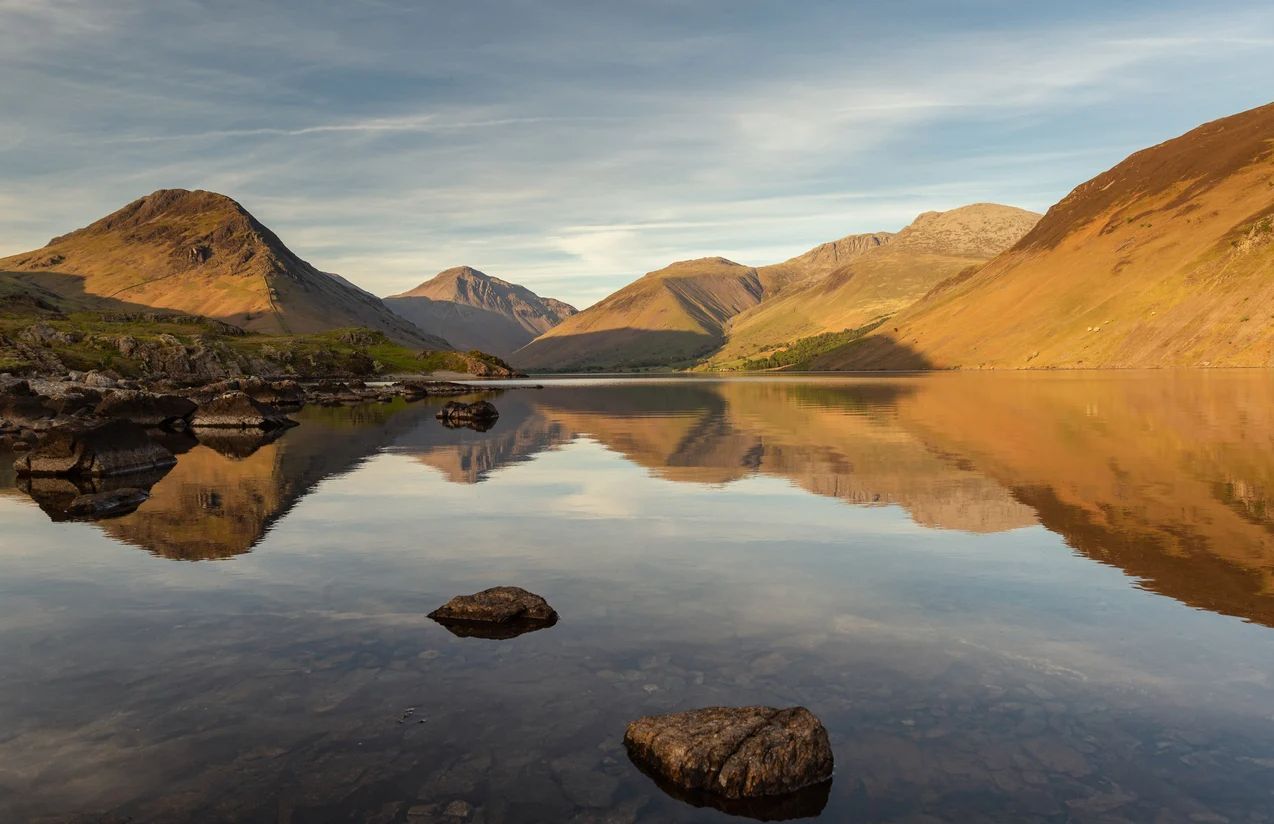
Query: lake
[[1009, 597]]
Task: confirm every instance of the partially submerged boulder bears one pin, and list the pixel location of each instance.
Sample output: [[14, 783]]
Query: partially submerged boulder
[[95, 449], [237, 410], [480, 415], [733, 752], [498, 612], [147, 408]]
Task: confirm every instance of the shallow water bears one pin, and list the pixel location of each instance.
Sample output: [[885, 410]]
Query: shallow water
[[1042, 597]]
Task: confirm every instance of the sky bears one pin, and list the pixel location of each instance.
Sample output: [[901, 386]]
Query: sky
[[572, 145]]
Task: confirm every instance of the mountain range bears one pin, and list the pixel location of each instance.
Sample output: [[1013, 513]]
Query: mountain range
[[1164, 260]]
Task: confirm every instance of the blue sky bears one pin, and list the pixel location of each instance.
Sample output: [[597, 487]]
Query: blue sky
[[572, 146]]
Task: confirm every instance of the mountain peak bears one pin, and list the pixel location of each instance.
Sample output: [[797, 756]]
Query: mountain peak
[[475, 310], [202, 253]]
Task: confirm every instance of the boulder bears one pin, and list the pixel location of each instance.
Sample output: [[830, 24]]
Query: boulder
[[237, 410], [499, 612], [95, 449], [146, 408], [733, 752]]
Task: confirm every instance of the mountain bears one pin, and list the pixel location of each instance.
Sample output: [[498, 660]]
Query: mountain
[[879, 280], [476, 311], [202, 253], [1165, 260], [674, 315]]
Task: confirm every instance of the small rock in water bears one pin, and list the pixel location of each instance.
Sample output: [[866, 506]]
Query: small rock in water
[[496, 613], [734, 752], [480, 415]]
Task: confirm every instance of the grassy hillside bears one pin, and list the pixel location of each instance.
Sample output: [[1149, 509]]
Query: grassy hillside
[[1165, 260]]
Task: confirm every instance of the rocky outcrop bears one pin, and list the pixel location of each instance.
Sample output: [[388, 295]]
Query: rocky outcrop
[[237, 410], [96, 449], [146, 408], [734, 752], [498, 612]]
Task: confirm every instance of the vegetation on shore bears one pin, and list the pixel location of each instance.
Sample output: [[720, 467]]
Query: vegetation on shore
[[798, 354], [155, 344]]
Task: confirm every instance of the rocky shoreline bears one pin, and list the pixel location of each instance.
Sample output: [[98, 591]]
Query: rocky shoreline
[[86, 441]]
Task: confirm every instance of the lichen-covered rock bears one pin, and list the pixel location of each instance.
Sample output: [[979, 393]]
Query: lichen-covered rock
[[96, 449], [146, 408], [734, 752], [237, 410], [497, 605]]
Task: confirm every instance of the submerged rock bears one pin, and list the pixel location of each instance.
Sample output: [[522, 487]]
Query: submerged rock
[[237, 410], [733, 752], [97, 449], [499, 612]]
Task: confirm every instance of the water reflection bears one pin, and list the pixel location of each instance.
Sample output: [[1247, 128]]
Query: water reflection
[[911, 557]]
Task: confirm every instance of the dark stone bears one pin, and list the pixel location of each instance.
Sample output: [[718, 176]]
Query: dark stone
[[147, 409], [237, 410], [96, 449], [733, 752], [97, 505], [499, 612], [479, 415], [238, 443]]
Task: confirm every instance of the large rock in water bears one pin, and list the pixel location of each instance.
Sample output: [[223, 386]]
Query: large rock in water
[[94, 450], [496, 613], [237, 410], [734, 752], [145, 408]]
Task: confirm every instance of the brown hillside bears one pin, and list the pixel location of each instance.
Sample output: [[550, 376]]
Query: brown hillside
[[474, 310], [1165, 260], [878, 281], [819, 261], [673, 315], [202, 253]]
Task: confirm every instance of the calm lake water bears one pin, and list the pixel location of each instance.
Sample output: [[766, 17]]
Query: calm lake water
[[1040, 597]]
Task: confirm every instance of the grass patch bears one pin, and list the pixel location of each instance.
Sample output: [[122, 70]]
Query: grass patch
[[801, 352]]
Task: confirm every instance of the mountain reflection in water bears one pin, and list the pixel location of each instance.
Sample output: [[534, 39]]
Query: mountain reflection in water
[[1164, 478]]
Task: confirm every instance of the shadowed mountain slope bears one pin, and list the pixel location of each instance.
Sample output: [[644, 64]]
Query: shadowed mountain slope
[[1165, 260], [674, 315], [473, 310], [202, 253]]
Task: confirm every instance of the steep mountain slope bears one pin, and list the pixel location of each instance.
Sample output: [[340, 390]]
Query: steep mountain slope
[[1165, 260], [203, 254], [670, 316], [821, 260], [473, 310], [879, 281]]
